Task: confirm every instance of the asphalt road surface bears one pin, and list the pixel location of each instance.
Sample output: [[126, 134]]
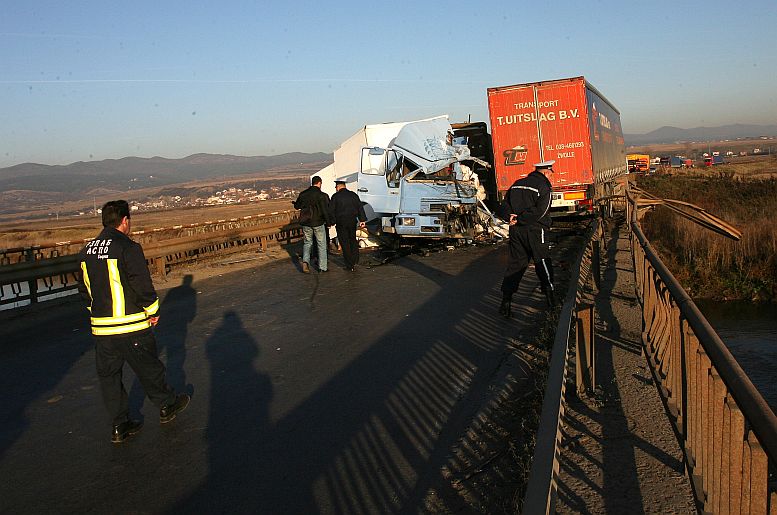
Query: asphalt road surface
[[323, 393]]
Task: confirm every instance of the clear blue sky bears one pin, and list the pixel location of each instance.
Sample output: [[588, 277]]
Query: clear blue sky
[[90, 80]]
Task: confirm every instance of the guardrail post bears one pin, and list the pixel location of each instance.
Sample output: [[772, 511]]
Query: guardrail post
[[159, 264], [718, 394], [759, 474], [584, 346], [32, 284], [735, 463]]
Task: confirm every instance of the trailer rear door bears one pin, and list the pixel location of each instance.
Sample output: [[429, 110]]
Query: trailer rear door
[[564, 132]]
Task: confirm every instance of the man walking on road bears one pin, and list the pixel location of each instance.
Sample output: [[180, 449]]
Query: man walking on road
[[314, 217], [346, 209], [116, 284], [527, 207]]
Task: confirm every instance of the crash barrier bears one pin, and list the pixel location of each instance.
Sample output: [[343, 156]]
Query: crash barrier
[[576, 320], [38, 274], [726, 429]]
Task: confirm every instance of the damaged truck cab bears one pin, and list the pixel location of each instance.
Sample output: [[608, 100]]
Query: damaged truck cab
[[410, 178], [416, 200]]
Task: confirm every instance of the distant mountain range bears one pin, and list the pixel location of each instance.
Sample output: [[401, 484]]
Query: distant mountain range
[[674, 134], [135, 172], [131, 173]]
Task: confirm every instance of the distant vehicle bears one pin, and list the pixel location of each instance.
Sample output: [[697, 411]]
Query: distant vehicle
[[756, 151], [638, 163], [567, 121], [713, 160], [665, 161], [676, 162], [729, 154]]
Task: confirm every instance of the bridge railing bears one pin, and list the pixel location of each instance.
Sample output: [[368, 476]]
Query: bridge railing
[[41, 273], [576, 323], [726, 428]]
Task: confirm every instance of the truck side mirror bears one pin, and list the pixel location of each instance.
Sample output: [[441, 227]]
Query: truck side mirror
[[373, 161]]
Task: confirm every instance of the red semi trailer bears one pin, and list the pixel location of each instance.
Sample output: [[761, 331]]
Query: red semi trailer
[[565, 120]]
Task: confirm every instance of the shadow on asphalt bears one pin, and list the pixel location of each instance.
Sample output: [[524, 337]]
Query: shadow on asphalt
[[238, 424], [54, 357], [372, 383], [375, 437], [178, 309]]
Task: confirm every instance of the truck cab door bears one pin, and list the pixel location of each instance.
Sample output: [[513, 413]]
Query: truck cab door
[[379, 183]]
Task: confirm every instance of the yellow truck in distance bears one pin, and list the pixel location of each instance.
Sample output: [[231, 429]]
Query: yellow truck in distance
[[638, 163]]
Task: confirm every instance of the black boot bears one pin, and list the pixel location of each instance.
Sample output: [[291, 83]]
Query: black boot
[[504, 308], [168, 413], [125, 430]]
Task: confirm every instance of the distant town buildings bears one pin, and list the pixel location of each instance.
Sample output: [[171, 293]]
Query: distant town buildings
[[227, 196], [223, 197]]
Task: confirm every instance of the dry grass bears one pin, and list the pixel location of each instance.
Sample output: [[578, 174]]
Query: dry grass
[[48, 232], [707, 264]]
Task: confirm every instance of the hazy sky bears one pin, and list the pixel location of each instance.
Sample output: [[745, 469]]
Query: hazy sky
[[89, 80]]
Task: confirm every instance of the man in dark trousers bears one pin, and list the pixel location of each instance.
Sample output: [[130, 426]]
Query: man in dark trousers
[[527, 206], [122, 302], [346, 209], [314, 217]]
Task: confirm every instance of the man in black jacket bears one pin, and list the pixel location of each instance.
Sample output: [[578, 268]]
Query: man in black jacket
[[314, 217], [123, 305], [527, 206], [346, 208]]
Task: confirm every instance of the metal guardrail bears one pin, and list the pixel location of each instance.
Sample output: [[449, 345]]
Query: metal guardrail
[[36, 274], [726, 428], [541, 488]]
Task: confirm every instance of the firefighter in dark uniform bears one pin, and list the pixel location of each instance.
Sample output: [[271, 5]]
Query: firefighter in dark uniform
[[116, 284], [527, 206], [346, 210]]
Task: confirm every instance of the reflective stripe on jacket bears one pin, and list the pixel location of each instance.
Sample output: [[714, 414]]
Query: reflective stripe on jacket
[[529, 199], [116, 284]]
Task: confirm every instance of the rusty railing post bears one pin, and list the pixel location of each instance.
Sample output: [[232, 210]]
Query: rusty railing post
[[584, 346]]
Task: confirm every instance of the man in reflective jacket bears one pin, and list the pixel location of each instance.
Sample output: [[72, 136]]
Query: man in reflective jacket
[[116, 284], [526, 207]]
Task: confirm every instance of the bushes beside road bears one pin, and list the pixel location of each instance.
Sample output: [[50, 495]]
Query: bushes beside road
[[709, 265]]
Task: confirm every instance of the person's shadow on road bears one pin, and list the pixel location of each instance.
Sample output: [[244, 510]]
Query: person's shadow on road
[[176, 312], [238, 427]]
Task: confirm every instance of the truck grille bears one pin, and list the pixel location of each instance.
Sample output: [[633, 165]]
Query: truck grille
[[434, 206]]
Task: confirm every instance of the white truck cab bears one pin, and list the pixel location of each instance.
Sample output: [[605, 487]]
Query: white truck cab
[[410, 178]]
